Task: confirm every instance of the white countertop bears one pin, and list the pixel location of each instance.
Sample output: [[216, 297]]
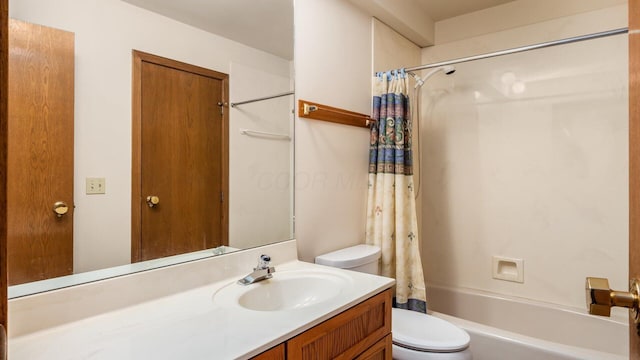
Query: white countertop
[[190, 325]]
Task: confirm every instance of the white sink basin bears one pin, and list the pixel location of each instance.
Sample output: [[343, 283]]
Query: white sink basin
[[287, 290]]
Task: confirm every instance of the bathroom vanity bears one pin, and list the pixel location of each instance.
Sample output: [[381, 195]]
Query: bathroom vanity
[[362, 332], [197, 310]]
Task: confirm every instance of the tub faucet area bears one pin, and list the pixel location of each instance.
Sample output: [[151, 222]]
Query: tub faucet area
[[261, 272]]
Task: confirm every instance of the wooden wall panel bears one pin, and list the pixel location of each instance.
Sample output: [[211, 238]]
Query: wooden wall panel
[[634, 159], [4, 76]]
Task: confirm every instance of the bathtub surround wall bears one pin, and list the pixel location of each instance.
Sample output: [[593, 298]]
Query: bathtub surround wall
[[531, 176], [106, 32]]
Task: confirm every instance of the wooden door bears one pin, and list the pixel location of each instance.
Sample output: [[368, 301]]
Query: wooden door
[[634, 161], [40, 155], [180, 138], [4, 80]]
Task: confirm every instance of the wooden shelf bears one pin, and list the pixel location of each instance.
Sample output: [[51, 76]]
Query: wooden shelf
[[311, 110]]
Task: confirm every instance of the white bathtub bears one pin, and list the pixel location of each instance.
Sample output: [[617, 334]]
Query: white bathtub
[[508, 328]]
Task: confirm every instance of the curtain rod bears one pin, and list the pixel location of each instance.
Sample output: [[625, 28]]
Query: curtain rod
[[262, 98], [522, 49]]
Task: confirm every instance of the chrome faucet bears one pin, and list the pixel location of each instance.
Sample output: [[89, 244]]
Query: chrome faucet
[[261, 272]]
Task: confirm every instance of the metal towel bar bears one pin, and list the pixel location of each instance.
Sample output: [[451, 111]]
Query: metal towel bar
[[264, 133]]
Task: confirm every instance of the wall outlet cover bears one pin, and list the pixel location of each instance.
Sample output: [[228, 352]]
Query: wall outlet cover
[[96, 186]]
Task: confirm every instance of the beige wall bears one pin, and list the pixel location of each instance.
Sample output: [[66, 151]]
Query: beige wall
[[332, 67], [392, 50], [106, 32], [520, 13], [331, 159], [539, 174], [260, 187]]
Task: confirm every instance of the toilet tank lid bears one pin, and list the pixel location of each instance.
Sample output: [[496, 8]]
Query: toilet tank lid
[[350, 257]]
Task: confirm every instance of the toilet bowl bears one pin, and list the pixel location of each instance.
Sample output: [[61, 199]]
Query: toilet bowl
[[416, 336]]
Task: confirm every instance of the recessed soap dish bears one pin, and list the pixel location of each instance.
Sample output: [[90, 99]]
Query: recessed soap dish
[[508, 269]]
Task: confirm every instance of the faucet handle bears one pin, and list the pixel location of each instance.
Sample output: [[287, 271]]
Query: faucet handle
[[600, 298], [263, 263]]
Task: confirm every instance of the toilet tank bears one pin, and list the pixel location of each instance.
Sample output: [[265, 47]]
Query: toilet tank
[[362, 258]]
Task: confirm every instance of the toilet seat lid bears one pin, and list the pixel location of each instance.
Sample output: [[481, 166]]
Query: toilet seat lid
[[424, 332]]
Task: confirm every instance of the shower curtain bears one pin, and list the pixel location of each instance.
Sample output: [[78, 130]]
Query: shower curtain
[[391, 208]]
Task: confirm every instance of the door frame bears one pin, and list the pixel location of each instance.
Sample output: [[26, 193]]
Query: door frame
[[4, 98], [634, 161], [136, 142]]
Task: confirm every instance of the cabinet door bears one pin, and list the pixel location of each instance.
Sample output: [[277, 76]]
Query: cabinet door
[[380, 351], [346, 335], [275, 353]]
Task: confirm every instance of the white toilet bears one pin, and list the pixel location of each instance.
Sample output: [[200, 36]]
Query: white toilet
[[416, 336]]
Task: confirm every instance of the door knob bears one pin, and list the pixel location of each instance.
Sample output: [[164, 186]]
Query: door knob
[[152, 200], [600, 298], [60, 208]]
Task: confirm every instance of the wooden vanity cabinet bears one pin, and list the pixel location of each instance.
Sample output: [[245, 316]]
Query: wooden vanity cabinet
[[275, 353], [361, 333], [380, 351]]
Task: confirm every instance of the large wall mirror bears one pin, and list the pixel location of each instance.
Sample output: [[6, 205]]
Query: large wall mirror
[[249, 42]]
